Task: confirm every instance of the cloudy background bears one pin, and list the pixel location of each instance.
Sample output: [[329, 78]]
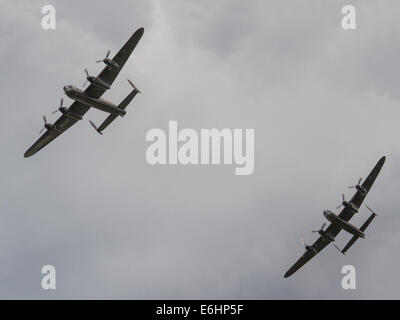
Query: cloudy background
[[324, 103]]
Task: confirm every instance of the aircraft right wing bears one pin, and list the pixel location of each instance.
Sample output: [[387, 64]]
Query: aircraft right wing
[[318, 245], [62, 124]]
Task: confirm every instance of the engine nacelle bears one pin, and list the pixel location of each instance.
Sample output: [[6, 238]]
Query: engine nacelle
[[98, 82], [311, 248], [350, 205], [361, 189], [326, 235], [111, 63], [49, 126]]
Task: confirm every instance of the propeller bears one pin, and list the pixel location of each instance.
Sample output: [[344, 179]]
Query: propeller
[[87, 77], [108, 53], [343, 202], [322, 228], [61, 105], [357, 185], [371, 210], [307, 247], [45, 122]]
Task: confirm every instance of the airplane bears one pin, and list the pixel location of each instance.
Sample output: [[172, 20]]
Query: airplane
[[91, 97], [341, 221]]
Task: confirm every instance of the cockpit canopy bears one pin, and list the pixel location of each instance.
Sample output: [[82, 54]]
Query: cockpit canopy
[[70, 88]]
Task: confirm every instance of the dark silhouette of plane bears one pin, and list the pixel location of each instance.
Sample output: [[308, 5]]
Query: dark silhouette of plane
[[341, 221], [91, 97]]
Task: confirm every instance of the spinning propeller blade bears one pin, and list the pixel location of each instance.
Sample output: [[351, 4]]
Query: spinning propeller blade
[[108, 53], [61, 104], [87, 77], [45, 122], [322, 228], [358, 184], [341, 205]]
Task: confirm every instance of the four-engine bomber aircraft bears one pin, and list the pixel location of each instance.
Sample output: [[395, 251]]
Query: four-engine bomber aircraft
[[339, 222], [84, 100]]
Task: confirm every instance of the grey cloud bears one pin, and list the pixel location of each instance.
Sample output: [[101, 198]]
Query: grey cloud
[[324, 106]]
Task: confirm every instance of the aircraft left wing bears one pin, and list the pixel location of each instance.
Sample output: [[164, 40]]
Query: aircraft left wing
[[359, 197], [347, 213], [109, 74]]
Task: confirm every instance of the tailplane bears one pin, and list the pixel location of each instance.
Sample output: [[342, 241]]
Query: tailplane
[[130, 96], [121, 108], [363, 227]]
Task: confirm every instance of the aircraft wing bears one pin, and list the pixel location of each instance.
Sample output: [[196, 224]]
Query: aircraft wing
[[109, 74], [359, 197], [318, 245], [62, 124], [345, 214]]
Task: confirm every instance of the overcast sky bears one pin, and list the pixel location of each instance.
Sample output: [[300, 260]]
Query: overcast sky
[[324, 103]]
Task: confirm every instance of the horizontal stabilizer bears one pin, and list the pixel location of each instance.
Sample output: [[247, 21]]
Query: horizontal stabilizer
[[121, 106], [366, 223], [129, 98], [108, 120], [363, 227], [349, 244]]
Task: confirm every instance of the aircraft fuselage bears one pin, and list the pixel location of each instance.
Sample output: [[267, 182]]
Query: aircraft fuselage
[[101, 104], [331, 217]]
